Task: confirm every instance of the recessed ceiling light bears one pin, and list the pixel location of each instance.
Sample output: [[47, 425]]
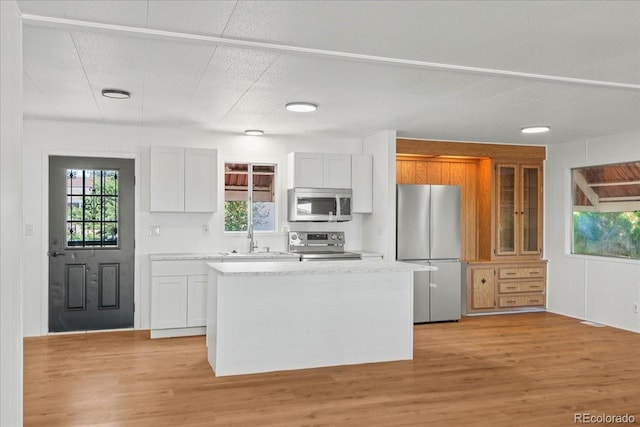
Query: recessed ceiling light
[[116, 93], [254, 132], [536, 129], [301, 107]]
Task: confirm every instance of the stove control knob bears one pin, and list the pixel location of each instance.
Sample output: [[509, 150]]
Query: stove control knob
[[333, 237], [294, 236], [339, 236]]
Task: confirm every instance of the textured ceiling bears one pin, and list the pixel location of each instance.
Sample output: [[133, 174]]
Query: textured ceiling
[[453, 70]]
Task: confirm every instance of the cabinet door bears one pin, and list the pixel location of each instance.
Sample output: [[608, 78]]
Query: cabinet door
[[168, 302], [337, 171], [530, 210], [482, 288], [506, 209], [197, 300], [306, 170], [166, 182], [200, 180], [362, 183]]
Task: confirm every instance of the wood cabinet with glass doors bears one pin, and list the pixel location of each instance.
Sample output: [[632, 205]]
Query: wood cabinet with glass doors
[[509, 273], [513, 229]]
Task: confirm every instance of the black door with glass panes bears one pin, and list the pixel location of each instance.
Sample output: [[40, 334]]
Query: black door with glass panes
[[91, 243]]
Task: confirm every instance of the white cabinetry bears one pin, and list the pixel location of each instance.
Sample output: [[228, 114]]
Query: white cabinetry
[[168, 302], [319, 170], [183, 179], [179, 293], [197, 300], [178, 298], [362, 183]]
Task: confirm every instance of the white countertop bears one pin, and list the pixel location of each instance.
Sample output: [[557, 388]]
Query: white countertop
[[219, 256], [313, 267]]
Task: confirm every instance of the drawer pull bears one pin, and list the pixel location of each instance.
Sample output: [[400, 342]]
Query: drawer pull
[[534, 301], [510, 301], [510, 273], [511, 287], [483, 281], [534, 273]]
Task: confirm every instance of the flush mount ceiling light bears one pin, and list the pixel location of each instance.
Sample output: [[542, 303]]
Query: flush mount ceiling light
[[116, 93], [254, 132], [301, 107], [536, 129]]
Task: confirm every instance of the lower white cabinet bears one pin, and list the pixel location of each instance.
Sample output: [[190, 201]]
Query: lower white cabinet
[[179, 294], [169, 302], [197, 300], [178, 298]]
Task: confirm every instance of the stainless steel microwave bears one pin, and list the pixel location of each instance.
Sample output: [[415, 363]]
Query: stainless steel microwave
[[319, 204]]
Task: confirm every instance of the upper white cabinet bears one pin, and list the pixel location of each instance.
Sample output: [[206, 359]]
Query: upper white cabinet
[[362, 183], [183, 179], [319, 170]]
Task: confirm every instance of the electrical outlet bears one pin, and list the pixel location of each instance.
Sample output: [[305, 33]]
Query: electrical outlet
[[154, 231], [205, 229]]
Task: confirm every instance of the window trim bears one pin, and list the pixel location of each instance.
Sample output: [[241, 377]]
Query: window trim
[[277, 194], [610, 202]]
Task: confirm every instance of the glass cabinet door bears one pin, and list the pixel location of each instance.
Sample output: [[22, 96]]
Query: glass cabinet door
[[530, 210], [506, 209]]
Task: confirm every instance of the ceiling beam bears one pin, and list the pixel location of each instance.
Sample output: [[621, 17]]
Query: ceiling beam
[[613, 183], [583, 185], [74, 24], [610, 207]]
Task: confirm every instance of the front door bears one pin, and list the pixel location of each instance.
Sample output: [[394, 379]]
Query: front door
[[91, 243]]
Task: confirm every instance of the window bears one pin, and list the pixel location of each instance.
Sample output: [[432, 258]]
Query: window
[[249, 185], [92, 208], [606, 210]]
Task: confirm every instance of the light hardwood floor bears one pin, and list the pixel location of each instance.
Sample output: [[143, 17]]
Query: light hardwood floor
[[535, 369]]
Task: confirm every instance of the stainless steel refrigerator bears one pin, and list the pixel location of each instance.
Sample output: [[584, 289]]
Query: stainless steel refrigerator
[[428, 231]]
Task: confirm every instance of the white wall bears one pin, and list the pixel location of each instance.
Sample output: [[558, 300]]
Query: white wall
[[598, 289], [378, 228], [178, 232], [10, 214]]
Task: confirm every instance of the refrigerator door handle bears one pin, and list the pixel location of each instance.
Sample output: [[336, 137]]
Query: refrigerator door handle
[[433, 285]]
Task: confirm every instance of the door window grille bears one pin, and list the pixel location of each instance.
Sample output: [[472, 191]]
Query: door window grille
[[92, 208]]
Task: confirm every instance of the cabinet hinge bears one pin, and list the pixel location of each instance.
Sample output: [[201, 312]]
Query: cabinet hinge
[[134, 180], [134, 307]]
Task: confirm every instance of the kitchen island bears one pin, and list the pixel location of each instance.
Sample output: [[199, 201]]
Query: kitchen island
[[264, 317]]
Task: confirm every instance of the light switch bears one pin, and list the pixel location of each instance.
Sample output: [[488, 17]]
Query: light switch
[[205, 229], [28, 230]]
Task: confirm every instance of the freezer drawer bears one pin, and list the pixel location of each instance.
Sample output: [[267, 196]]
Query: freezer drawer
[[437, 294]]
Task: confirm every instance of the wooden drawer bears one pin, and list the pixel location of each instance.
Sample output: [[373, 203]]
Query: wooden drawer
[[526, 286], [520, 272], [521, 301]]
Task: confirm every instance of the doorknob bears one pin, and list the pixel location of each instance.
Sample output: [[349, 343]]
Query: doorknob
[[55, 254]]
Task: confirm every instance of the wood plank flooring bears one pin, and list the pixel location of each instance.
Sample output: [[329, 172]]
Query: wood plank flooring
[[508, 370]]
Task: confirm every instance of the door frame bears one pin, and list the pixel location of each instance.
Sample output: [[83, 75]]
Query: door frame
[[44, 259]]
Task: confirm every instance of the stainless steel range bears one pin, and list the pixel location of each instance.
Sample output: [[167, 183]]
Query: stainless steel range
[[320, 246]]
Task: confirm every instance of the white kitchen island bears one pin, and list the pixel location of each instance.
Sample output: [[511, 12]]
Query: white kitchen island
[[264, 317]]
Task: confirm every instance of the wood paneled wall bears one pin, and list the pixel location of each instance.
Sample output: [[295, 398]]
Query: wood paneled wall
[[448, 171]]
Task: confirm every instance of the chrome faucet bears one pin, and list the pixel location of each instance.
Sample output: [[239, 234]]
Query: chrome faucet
[[252, 243]]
